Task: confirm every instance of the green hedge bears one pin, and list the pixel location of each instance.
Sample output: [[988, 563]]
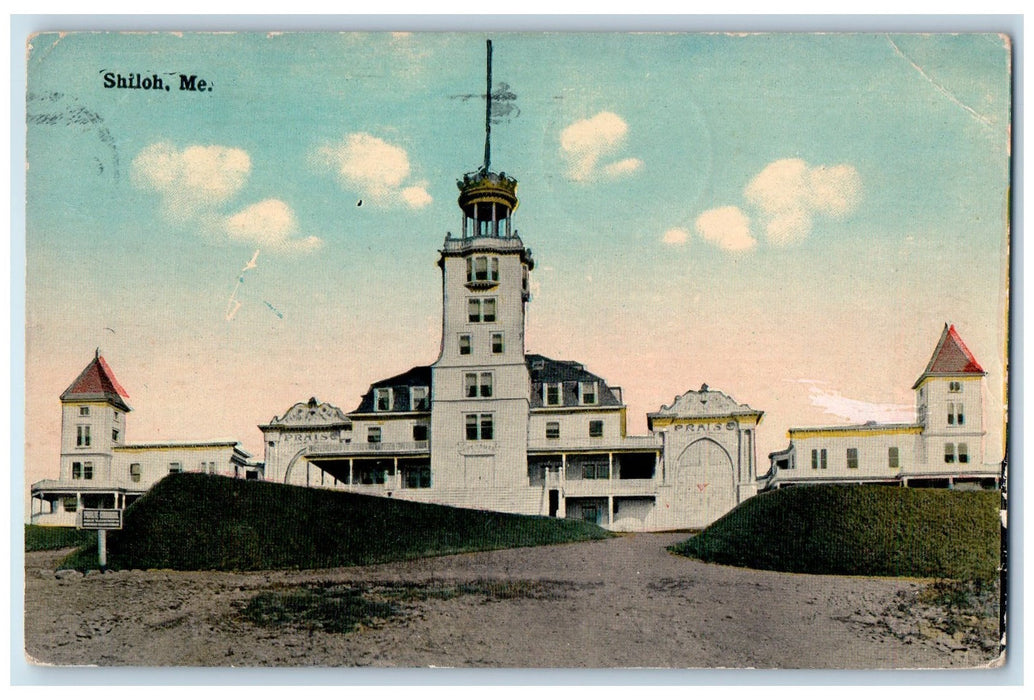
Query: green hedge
[[200, 522], [40, 537], [862, 530]]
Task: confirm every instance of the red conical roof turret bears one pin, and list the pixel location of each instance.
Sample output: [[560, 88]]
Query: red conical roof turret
[[951, 358], [97, 383]]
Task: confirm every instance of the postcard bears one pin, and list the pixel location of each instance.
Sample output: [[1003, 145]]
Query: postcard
[[517, 350]]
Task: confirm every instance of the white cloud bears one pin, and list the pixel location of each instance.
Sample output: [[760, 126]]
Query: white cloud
[[373, 168], [675, 236], [269, 224], [628, 165], [193, 180], [586, 141], [836, 404], [416, 197], [789, 194], [726, 227]]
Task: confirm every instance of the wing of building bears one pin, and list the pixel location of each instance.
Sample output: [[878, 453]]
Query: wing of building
[[943, 447], [99, 469]]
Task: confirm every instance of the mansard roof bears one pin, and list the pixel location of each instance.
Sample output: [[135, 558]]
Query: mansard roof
[[544, 370], [400, 385], [705, 403], [951, 358], [97, 383]]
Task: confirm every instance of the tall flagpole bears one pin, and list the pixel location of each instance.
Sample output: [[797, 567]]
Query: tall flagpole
[[488, 108]]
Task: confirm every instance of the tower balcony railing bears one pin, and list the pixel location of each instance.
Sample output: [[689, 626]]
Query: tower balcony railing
[[472, 243]]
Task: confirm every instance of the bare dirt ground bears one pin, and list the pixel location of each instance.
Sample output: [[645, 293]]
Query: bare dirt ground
[[624, 602]]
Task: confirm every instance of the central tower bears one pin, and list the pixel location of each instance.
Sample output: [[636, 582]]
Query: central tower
[[480, 382]]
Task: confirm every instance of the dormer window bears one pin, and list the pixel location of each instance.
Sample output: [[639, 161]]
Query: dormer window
[[382, 399], [587, 393], [552, 394], [419, 398]]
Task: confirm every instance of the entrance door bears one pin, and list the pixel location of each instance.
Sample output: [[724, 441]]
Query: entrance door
[[554, 502], [705, 489]]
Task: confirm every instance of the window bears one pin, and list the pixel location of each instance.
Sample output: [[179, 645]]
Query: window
[[552, 394], [134, 472], [482, 269], [84, 410], [475, 385], [852, 457], [417, 477], [382, 399], [479, 426], [590, 514], [587, 392], [373, 434], [70, 504], [481, 310], [595, 470], [955, 414], [818, 459], [464, 344], [117, 416], [114, 434], [553, 430], [963, 453], [949, 453], [420, 432], [77, 470], [175, 467], [419, 399], [595, 428], [82, 436], [893, 460], [955, 387], [497, 343]]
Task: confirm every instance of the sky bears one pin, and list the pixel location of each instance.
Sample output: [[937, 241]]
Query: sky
[[790, 219]]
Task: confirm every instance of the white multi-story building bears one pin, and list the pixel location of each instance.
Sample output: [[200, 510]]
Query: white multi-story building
[[942, 447], [99, 469], [489, 426]]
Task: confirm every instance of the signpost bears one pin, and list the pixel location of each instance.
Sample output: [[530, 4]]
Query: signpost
[[101, 520]]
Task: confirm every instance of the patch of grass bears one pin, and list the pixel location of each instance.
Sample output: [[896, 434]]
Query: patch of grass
[[343, 608], [859, 530], [328, 609], [39, 537], [204, 522]]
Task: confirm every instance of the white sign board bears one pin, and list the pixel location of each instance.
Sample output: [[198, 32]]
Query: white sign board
[[100, 519]]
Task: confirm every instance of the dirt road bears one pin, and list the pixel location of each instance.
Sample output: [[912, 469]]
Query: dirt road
[[623, 602]]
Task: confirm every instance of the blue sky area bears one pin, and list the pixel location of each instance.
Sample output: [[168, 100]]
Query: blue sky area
[[788, 218]]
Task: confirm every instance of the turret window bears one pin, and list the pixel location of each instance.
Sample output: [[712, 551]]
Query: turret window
[[464, 344], [479, 426], [497, 343], [84, 410], [482, 269], [114, 434], [82, 436], [475, 385], [481, 310], [955, 387]]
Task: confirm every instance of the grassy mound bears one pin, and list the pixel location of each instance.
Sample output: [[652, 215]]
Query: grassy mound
[[200, 522], [40, 537], [861, 530]]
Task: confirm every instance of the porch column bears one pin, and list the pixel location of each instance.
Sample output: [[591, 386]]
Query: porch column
[[351, 479], [610, 465], [397, 479], [610, 510]]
